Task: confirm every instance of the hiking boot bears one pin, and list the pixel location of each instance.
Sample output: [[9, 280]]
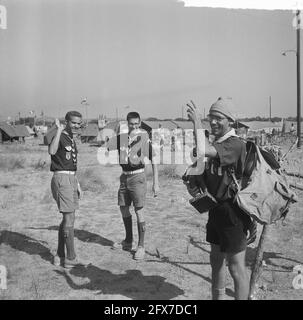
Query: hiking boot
[[73, 263], [58, 261], [139, 255], [126, 246]]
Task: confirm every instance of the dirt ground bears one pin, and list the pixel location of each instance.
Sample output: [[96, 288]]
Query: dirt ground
[[177, 256]]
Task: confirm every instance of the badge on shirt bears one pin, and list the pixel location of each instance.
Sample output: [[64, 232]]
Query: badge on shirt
[[68, 148]]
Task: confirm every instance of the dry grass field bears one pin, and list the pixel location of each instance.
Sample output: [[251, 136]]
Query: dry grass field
[[177, 255]]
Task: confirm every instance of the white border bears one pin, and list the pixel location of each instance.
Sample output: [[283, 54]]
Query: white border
[[246, 4]]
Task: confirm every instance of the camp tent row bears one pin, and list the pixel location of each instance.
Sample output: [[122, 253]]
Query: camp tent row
[[92, 133], [182, 125], [10, 133]]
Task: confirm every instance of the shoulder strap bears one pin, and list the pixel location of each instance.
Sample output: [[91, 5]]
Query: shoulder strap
[[231, 171]]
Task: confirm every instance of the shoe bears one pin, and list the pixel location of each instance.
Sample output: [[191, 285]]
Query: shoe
[[73, 263], [139, 255], [126, 246], [58, 261]]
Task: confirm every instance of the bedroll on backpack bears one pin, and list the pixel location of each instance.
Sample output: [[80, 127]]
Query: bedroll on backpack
[[263, 192]]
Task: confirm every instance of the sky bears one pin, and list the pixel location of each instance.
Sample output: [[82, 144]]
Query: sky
[[150, 56]]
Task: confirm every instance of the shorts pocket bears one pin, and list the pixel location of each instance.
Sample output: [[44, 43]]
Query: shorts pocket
[[59, 180], [142, 179]]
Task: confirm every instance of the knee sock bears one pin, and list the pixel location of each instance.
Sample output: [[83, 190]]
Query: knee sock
[[69, 243], [218, 294], [128, 224], [60, 250], [141, 233]]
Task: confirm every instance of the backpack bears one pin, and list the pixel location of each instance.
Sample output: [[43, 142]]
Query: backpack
[[263, 192]]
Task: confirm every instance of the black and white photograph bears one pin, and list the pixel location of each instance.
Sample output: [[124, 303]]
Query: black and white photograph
[[151, 150]]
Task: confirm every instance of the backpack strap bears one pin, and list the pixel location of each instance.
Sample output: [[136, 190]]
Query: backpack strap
[[231, 171]]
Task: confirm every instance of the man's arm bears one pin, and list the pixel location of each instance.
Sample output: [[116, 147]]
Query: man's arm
[[204, 148], [155, 187], [53, 147], [149, 151]]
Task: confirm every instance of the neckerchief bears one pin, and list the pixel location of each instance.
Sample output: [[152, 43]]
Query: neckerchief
[[230, 133], [73, 147]]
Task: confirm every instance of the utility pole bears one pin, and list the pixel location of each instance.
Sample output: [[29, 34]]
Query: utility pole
[[85, 103], [298, 81], [269, 108]]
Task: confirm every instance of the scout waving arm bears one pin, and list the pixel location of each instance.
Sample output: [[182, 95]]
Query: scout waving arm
[[53, 147], [204, 148]]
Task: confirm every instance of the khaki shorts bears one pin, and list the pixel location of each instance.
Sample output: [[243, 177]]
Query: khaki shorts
[[64, 189], [132, 190]]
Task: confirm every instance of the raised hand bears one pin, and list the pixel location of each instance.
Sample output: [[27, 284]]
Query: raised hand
[[59, 125], [192, 112]]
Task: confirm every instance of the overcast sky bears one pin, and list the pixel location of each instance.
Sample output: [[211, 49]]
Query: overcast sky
[[151, 55]]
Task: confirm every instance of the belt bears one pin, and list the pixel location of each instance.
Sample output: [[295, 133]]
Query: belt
[[133, 172], [66, 172]]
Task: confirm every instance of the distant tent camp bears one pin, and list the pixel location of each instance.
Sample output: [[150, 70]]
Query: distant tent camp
[[10, 133], [288, 124], [263, 126], [157, 124], [7, 132], [30, 130], [90, 133], [187, 125], [21, 131], [113, 125]]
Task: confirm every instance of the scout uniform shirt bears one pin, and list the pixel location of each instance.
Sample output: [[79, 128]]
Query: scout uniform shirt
[[132, 148], [231, 156], [65, 158]]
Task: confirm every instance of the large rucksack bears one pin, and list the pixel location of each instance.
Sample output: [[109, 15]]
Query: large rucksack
[[263, 192]]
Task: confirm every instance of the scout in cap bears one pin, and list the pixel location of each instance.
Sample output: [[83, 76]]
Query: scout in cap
[[220, 117], [227, 225], [224, 106]]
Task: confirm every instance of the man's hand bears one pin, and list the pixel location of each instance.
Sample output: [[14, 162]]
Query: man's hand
[[192, 112], [79, 191], [60, 126], [155, 189], [192, 190]]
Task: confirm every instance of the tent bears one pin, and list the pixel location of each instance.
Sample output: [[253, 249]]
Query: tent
[[90, 132], [10, 133]]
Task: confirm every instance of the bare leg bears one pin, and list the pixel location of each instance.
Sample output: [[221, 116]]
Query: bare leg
[[218, 268], [141, 225], [61, 241], [238, 271], [68, 229]]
